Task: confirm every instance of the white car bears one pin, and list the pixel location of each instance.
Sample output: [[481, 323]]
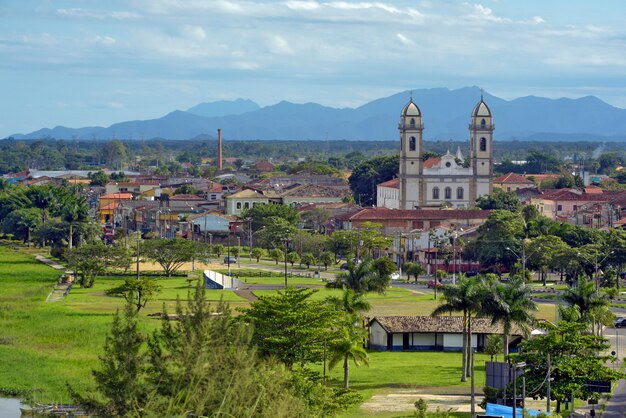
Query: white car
[[395, 275]]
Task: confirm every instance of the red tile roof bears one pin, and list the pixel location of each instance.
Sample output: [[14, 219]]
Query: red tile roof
[[512, 178], [416, 214], [122, 196], [393, 183], [431, 162]]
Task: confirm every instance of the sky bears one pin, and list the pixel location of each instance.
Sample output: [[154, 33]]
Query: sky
[[95, 63]]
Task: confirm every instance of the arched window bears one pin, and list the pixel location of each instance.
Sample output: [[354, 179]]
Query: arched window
[[448, 193], [459, 193], [483, 123], [412, 143], [412, 123], [483, 144], [435, 193]]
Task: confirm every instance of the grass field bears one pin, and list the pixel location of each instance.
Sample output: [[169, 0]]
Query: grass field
[[43, 345]]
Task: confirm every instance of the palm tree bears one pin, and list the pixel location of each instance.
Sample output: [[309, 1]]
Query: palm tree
[[349, 346], [466, 297], [361, 278], [71, 213], [587, 301], [513, 306], [351, 302]]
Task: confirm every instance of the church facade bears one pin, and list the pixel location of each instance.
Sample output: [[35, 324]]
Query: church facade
[[447, 180]]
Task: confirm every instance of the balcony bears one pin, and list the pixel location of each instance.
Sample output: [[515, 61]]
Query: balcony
[[403, 125]]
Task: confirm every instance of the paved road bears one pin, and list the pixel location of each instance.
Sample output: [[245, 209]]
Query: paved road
[[616, 406]]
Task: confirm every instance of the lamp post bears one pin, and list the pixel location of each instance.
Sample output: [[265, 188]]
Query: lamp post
[[210, 246], [516, 366], [239, 252], [249, 237], [228, 257], [523, 258], [285, 240]]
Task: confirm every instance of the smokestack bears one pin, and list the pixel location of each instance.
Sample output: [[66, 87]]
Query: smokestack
[[219, 149]]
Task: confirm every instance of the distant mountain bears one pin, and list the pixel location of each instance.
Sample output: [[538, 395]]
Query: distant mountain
[[223, 108], [445, 113]]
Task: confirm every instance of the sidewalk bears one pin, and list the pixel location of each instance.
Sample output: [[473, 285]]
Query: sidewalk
[[62, 288], [616, 406]]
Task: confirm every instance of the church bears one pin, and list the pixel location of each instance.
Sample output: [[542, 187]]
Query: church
[[446, 181]]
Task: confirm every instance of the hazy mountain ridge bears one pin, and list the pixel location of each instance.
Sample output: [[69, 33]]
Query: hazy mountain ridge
[[445, 113]]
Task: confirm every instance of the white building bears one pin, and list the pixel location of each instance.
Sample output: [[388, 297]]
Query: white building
[[445, 180]]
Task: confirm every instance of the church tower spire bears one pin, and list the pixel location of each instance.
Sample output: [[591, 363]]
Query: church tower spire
[[411, 129]]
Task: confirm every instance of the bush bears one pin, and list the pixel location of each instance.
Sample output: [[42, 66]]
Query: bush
[[421, 407]]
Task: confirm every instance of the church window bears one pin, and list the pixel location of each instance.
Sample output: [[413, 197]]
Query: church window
[[459, 193], [412, 144], [483, 123], [448, 193], [483, 144], [238, 205], [412, 123], [435, 193], [448, 164]]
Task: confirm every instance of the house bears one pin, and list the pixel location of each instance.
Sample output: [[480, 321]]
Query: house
[[388, 194], [396, 221], [512, 182], [245, 199], [428, 333]]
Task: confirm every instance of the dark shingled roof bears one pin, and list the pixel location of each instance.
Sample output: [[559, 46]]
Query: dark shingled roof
[[451, 324]]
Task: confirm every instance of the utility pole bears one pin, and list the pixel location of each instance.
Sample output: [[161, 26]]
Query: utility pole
[[548, 387]]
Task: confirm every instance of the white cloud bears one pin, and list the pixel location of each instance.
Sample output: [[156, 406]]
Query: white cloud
[[194, 33], [485, 13], [104, 40], [303, 5], [404, 40], [279, 45], [100, 15]]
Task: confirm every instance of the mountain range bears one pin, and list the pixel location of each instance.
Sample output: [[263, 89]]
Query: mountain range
[[445, 115]]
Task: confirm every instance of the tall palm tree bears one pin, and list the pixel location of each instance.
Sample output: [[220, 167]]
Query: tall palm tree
[[351, 302], [467, 298], [514, 306], [361, 278], [71, 213], [349, 346], [589, 303]]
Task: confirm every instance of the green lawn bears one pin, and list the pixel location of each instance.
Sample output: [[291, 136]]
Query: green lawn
[[43, 345]]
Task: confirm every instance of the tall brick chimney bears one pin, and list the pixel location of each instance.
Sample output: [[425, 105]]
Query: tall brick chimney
[[219, 149]]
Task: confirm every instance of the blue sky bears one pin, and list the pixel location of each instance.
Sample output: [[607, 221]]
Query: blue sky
[[94, 63]]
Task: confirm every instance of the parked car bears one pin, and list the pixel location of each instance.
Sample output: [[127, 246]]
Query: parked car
[[395, 275], [620, 322], [230, 260], [344, 266]]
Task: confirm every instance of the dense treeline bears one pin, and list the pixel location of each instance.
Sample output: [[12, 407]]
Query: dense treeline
[[51, 154]]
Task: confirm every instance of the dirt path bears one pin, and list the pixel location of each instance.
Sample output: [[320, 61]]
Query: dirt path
[[247, 294]]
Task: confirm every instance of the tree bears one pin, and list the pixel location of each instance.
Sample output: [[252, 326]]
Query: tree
[[313, 219], [21, 223], [218, 250], [327, 258], [545, 252], [575, 357], [514, 307], [257, 253], [468, 297], [308, 259], [92, 260], [262, 215], [500, 234], [276, 254], [114, 153], [413, 269], [361, 278], [73, 212], [98, 178], [586, 301], [293, 257], [186, 188], [291, 326], [172, 254], [368, 174], [499, 200], [118, 378], [136, 291], [348, 345], [493, 346]]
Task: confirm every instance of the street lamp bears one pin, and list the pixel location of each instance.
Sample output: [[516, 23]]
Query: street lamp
[[596, 264], [210, 246], [285, 240], [239, 252], [523, 257], [516, 366], [455, 235], [249, 237]]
